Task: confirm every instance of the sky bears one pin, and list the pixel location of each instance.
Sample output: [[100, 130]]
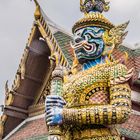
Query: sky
[[17, 16]]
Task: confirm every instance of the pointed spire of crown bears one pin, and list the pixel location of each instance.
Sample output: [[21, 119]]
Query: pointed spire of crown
[[93, 16], [94, 6]]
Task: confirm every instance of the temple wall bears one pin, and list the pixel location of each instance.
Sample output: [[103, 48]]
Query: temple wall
[[135, 96], [35, 129], [29, 129], [131, 128]]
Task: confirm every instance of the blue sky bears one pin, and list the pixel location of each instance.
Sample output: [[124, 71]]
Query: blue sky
[[16, 19]]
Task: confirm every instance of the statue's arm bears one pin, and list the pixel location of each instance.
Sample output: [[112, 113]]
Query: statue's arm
[[116, 112]]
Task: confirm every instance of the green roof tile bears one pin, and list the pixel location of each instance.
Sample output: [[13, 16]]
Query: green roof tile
[[125, 49], [130, 134], [43, 137], [62, 40], [131, 53], [136, 52]]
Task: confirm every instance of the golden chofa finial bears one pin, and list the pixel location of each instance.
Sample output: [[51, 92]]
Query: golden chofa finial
[[88, 6], [37, 13], [81, 5], [36, 2]]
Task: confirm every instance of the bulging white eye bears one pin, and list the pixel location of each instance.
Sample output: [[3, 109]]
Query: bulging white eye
[[76, 37], [88, 36]]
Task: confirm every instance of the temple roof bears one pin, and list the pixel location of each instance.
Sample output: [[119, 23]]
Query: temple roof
[[64, 42], [34, 68], [62, 36], [53, 26]]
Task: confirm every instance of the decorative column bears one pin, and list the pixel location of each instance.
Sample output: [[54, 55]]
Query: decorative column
[[55, 132]]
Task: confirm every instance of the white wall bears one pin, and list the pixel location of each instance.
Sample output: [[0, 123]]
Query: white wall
[[135, 96]]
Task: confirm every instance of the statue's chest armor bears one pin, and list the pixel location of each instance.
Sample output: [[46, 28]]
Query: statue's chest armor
[[97, 94], [87, 88], [92, 86]]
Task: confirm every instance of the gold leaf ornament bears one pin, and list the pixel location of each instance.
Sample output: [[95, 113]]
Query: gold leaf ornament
[[2, 121], [9, 96], [114, 37]]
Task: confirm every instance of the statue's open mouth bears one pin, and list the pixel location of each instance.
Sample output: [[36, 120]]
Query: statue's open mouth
[[90, 48], [88, 51]]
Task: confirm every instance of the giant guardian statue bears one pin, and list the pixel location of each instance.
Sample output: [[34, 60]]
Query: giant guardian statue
[[94, 95]]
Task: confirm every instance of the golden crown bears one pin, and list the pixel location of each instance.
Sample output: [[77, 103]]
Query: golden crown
[[93, 16]]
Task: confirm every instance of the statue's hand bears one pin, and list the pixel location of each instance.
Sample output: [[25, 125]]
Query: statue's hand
[[54, 107]]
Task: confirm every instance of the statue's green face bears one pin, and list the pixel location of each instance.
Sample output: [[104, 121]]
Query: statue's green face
[[88, 43]]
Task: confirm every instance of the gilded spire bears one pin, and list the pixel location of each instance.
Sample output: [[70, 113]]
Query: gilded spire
[[87, 6], [36, 2], [37, 13]]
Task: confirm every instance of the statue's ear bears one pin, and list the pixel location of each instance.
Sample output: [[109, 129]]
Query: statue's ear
[[114, 37], [109, 45]]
